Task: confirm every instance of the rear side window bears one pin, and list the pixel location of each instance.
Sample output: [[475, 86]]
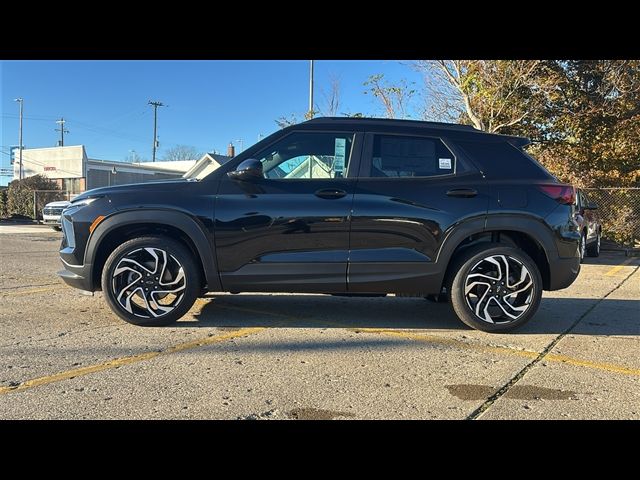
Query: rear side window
[[503, 160], [396, 156]]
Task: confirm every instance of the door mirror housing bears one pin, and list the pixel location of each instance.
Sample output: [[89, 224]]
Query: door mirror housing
[[248, 170]]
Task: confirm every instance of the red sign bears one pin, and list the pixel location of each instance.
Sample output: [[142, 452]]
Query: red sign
[[49, 169]]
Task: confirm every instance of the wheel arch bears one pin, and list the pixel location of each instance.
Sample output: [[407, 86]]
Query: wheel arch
[[528, 234], [122, 226]]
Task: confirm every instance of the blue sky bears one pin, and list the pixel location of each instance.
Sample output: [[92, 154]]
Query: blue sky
[[209, 102]]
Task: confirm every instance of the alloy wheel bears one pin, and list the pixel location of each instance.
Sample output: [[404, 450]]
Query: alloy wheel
[[499, 289], [148, 282]]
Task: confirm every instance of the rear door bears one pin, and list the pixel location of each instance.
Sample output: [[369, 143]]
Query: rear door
[[411, 190]]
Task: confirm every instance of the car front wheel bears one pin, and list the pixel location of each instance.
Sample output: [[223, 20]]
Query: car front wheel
[[495, 288], [150, 281]]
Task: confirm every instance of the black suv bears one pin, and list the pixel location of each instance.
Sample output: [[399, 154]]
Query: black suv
[[336, 206]]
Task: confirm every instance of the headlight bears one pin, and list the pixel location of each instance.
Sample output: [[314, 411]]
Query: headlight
[[81, 203]]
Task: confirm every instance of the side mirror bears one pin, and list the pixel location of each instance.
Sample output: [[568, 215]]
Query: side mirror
[[591, 206], [250, 169]]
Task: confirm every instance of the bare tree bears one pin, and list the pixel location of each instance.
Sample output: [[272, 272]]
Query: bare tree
[[182, 152], [394, 98], [135, 157], [284, 122], [332, 98], [492, 95]]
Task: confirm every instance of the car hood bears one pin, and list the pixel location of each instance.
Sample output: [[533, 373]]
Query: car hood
[[155, 186]]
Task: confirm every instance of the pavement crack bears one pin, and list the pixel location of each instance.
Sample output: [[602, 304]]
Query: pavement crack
[[478, 412]]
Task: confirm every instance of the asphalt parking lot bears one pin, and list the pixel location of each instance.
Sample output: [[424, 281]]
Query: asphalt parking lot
[[262, 356]]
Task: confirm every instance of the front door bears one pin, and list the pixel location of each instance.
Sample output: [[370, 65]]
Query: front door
[[290, 230]]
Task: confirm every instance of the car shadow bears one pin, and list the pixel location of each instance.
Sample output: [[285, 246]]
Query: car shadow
[[612, 258], [610, 317]]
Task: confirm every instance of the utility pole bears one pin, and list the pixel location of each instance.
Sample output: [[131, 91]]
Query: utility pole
[[62, 131], [20, 101], [155, 106], [310, 112]]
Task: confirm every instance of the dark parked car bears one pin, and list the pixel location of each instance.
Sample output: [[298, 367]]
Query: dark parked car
[[336, 206], [590, 227]]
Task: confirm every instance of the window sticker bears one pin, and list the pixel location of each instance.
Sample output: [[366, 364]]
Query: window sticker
[[339, 156], [445, 163]]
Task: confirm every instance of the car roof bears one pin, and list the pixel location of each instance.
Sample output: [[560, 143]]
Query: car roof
[[393, 122]]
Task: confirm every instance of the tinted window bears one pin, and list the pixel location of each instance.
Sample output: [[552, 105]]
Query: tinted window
[[395, 156], [308, 156], [503, 160]]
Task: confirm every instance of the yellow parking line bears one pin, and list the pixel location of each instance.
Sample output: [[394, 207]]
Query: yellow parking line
[[607, 367], [551, 357], [27, 292], [118, 362], [421, 337], [454, 343], [617, 268]]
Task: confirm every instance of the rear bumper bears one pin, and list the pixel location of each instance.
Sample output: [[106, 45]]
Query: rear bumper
[[563, 272]]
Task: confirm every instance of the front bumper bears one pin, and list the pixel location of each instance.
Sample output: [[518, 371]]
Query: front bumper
[[75, 224], [75, 280]]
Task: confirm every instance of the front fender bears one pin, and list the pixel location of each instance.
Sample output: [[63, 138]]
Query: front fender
[[191, 227]]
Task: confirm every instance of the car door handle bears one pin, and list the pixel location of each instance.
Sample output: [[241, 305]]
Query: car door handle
[[330, 193], [462, 192]]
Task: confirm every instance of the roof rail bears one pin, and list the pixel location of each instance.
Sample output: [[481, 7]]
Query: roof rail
[[392, 121]]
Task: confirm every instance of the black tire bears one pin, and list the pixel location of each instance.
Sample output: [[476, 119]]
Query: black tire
[[56, 228], [475, 260], [593, 250], [137, 257]]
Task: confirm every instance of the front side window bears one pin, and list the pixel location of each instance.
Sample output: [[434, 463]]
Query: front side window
[[395, 156], [308, 155]]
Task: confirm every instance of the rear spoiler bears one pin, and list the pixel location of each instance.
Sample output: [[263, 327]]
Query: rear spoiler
[[518, 142]]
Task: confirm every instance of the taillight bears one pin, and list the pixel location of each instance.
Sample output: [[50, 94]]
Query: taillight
[[565, 194]]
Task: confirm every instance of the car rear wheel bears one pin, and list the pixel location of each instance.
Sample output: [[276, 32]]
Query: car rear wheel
[[56, 228], [593, 250], [495, 288], [150, 281]]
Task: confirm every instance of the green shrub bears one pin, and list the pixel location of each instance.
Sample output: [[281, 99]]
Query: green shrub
[[20, 195], [3, 204]]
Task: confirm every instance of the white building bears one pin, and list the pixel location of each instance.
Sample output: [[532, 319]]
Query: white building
[[75, 172]]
